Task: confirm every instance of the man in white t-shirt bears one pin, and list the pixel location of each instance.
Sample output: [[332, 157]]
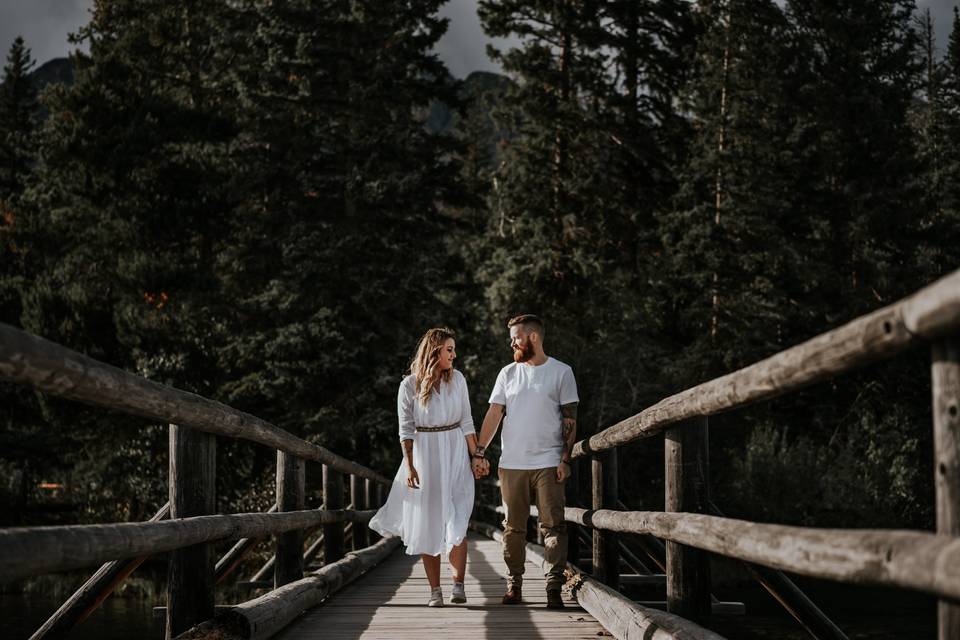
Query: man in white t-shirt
[[537, 398]]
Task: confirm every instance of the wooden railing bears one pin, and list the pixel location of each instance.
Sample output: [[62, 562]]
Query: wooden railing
[[192, 526], [922, 561]]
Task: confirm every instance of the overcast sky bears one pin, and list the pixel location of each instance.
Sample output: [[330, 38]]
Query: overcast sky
[[44, 24]]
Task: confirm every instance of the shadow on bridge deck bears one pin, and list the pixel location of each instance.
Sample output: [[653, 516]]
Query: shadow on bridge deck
[[390, 603]]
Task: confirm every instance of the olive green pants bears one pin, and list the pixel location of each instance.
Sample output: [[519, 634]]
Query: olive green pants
[[516, 488]]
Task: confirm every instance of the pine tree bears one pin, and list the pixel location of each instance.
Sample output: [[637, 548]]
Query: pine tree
[[22, 444], [342, 239], [121, 225], [571, 232], [18, 107], [18, 110], [731, 240], [943, 230], [862, 73]]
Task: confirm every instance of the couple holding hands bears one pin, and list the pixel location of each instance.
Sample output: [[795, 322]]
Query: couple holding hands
[[431, 498]]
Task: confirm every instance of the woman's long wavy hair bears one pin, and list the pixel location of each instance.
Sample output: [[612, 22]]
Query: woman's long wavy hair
[[425, 366]]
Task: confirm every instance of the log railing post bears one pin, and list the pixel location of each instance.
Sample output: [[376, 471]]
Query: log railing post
[[572, 499], [291, 496], [370, 500], [687, 471], [333, 498], [190, 577], [946, 448], [358, 498], [606, 548]]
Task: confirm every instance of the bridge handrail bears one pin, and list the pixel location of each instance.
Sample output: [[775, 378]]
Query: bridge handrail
[[62, 372], [930, 313], [36, 550], [914, 560]]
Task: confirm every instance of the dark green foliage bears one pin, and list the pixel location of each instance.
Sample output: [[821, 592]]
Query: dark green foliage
[[339, 260], [242, 201], [732, 243], [17, 114], [269, 202]]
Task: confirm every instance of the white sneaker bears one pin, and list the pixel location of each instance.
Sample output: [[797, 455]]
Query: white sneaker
[[459, 594], [436, 597]]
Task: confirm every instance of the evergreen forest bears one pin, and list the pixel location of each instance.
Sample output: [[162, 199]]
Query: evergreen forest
[[268, 202]]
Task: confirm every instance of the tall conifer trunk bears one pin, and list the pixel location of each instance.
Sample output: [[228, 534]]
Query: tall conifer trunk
[[721, 146], [560, 135]]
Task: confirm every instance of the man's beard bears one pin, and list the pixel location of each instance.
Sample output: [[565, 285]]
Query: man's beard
[[523, 353]]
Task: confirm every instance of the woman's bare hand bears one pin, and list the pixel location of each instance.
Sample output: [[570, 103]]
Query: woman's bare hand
[[413, 478]]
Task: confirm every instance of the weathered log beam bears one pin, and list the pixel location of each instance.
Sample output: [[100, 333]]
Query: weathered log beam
[[58, 371], [622, 617], [627, 620], [333, 533], [267, 568], [791, 598], [945, 372], [232, 558], [358, 498], [605, 564], [687, 489], [35, 550], [192, 487], [888, 557], [932, 312], [94, 591], [291, 496], [308, 556], [271, 612]]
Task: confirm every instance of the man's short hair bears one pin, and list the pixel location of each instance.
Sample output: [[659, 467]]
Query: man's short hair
[[529, 321]]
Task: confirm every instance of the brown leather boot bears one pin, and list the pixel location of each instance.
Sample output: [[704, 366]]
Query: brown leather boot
[[554, 599], [512, 596]]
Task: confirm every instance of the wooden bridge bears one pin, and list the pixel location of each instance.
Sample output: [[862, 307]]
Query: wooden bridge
[[387, 599]]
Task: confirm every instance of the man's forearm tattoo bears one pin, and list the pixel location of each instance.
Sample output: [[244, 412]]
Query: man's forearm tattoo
[[569, 412]]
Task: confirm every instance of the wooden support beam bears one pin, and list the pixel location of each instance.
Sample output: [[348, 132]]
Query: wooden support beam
[[36, 550], [915, 560], [946, 448], [370, 500], [931, 313], [654, 579], [265, 616], [619, 615], [232, 558], [291, 496], [58, 371], [687, 483], [572, 499], [193, 459], [358, 498], [606, 549], [333, 548], [94, 591], [791, 598], [266, 571]]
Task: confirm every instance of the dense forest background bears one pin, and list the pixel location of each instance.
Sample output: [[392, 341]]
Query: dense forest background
[[268, 203]]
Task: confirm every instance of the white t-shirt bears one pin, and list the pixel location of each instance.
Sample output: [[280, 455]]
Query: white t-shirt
[[447, 405], [532, 433]]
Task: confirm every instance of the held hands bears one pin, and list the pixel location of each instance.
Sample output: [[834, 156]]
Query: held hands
[[413, 478], [480, 467]]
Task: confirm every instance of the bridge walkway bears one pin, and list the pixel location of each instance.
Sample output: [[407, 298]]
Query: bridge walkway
[[389, 603]]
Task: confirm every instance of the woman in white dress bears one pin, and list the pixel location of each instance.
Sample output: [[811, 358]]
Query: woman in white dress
[[432, 494]]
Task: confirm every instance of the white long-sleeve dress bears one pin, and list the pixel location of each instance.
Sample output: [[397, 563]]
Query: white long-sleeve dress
[[432, 519]]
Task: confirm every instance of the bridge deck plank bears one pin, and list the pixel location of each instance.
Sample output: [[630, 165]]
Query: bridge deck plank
[[390, 603]]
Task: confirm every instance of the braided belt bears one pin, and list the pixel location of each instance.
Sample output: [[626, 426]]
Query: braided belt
[[448, 427]]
